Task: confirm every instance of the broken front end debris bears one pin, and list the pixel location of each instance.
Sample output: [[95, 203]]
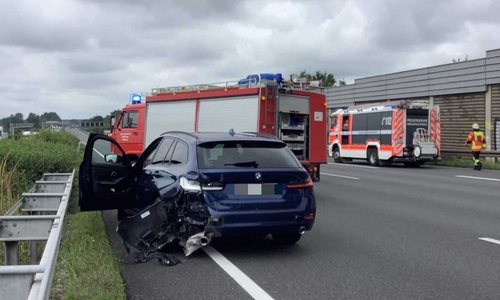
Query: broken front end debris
[[183, 218]]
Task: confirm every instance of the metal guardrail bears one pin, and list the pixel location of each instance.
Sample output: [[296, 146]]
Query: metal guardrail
[[50, 194], [494, 154]]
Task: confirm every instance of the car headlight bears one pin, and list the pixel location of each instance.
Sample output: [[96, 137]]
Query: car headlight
[[417, 151]]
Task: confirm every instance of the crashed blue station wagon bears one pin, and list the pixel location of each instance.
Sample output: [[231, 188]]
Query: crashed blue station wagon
[[191, 187]]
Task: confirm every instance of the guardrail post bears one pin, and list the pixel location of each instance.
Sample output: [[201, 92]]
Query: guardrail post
[[11, 253], [33, 247]]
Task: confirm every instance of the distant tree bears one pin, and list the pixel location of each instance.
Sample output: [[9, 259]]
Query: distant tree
[[327, 79], [35, 119], [50, 116], [458, 59], [12, 119], [96, 119]]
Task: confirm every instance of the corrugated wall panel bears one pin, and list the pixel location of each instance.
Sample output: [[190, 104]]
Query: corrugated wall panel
[[458, 113], [454, 78], [495, 114]]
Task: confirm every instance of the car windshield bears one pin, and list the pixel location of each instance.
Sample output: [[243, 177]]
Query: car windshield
[[245, 154]]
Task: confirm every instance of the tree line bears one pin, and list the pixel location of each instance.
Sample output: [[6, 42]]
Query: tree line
[[36, 120]]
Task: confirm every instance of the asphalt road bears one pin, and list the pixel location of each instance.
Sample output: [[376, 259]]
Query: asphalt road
[[380, 233], [101, 147]]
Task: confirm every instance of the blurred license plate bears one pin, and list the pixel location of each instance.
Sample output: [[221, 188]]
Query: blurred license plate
[[258, 189]]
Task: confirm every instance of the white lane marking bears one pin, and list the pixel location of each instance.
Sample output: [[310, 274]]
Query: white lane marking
[[355, 166], [243, 280], [79, 132], [477, 178], [341, 176], [99, 153], [490, 240]]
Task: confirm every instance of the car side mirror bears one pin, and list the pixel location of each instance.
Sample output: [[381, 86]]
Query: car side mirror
[[112, 121], [112, 158]]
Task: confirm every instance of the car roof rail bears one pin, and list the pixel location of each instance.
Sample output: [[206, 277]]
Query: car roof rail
[[181, 132], [262, 134]]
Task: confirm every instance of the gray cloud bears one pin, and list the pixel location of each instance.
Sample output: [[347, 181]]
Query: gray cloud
[[82, 57]]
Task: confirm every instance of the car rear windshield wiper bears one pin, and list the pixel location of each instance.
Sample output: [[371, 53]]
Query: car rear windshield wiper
[[252, 163]]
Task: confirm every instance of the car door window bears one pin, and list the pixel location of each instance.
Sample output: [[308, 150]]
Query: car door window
[[149, 159], [163, 150], [180, 154], [105, 152]]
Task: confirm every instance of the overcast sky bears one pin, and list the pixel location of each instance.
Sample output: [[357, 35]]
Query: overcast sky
[[85, 57]]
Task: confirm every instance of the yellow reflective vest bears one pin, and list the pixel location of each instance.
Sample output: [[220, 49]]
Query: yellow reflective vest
[[478, 140]]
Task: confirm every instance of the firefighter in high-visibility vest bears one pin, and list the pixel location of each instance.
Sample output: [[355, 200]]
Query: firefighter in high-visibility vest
[[478, 140]]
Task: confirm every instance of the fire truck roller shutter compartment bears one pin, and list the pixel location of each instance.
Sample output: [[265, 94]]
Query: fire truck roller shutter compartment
[[293, 123], [239, 113], [415, 118], [168, 116], [294, 104]]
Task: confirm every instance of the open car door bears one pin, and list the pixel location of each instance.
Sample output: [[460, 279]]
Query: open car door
[[106, 179]]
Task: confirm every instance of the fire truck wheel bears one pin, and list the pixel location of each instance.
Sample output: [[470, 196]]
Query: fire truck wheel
[[373, 156], [336, 154]]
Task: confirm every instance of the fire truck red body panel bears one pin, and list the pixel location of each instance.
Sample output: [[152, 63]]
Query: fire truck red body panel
[[271, 105]]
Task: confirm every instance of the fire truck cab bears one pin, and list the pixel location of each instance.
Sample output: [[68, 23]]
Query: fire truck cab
[[391, 132]]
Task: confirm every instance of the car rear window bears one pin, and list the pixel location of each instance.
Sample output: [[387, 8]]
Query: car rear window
[[241, 154]]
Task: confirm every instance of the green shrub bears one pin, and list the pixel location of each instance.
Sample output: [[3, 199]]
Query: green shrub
[[34, 157], [48, 152], [60, 137]]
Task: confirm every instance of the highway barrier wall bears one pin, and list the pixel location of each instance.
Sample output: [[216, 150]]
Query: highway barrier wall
[[467, 92]]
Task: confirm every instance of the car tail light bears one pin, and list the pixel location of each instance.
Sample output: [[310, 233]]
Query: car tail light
[[195, 186], [309, 217], [306, 183], [190, 186]]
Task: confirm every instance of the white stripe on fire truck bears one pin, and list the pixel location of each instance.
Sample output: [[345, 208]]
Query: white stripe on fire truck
[[361, 132]]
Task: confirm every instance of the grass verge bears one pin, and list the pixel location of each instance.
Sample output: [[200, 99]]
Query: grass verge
[[465, 162], [86, 267]]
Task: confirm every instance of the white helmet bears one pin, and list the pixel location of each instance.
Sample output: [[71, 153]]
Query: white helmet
[[475, 126]]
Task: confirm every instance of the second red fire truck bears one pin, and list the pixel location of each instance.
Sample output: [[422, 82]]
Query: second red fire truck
[[398, 131]]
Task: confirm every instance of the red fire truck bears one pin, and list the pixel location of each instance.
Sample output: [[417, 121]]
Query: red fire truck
[[399, 131], [263, 103]]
